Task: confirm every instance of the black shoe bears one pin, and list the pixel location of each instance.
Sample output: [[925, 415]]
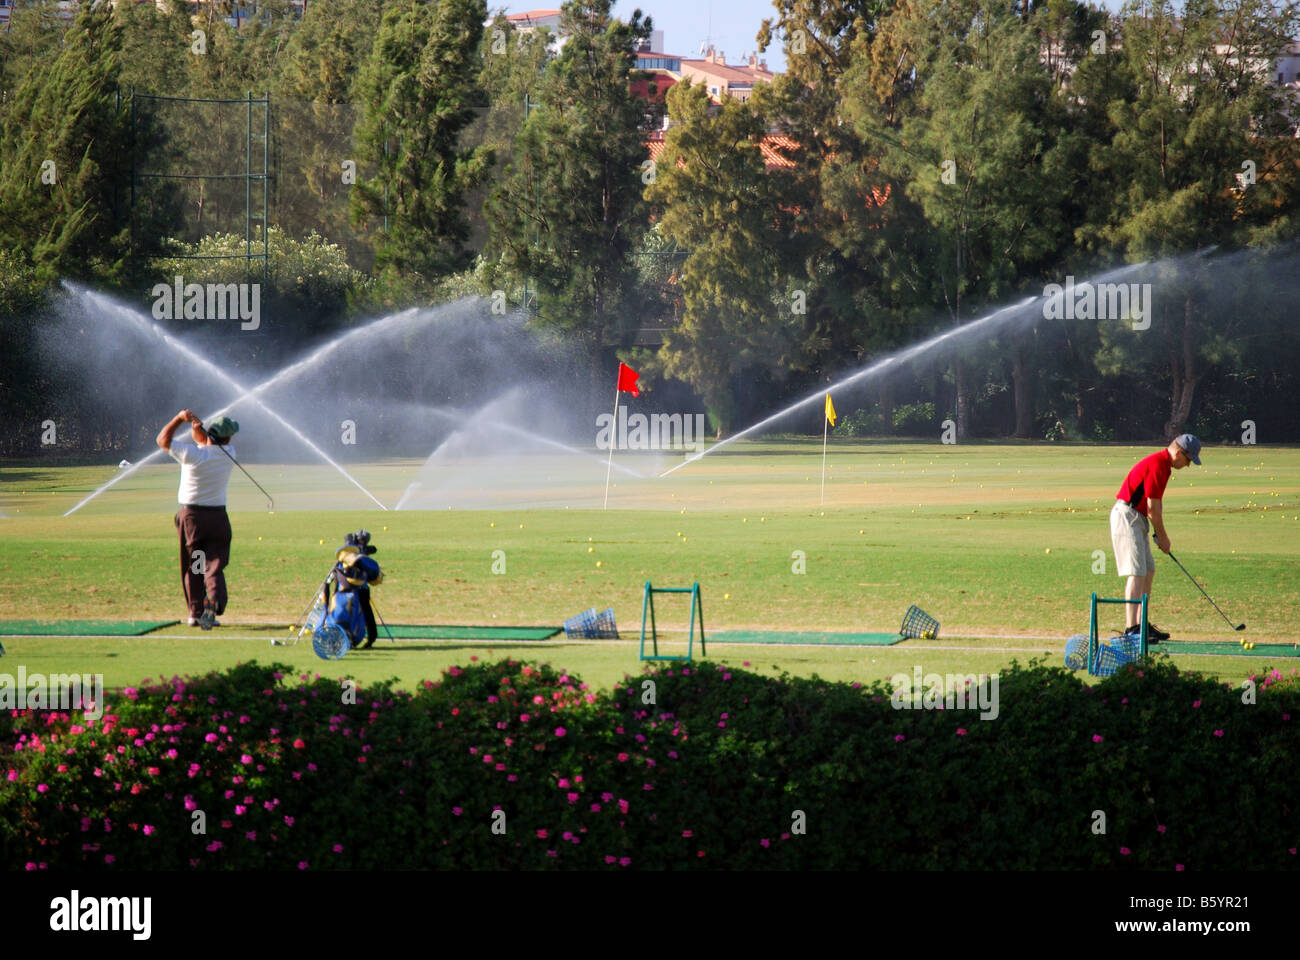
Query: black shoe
[[1152, 636], [1155, 634]]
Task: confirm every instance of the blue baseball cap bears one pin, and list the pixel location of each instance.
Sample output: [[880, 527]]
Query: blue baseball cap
[[1191, 446]]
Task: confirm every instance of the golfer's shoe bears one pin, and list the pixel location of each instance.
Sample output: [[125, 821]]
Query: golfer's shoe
[[209, 618], [1153, 635]]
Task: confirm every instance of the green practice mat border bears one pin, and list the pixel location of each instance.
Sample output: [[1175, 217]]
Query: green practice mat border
[[420, 631], [1227, 649], [806, 636], [81, 628]]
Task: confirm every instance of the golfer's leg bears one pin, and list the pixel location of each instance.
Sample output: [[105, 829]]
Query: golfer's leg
[[217, 541], [1133, 591], [1147, 582], [191, 580]]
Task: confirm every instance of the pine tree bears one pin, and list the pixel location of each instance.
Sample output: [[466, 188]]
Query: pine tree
[[569, 214], [66, 124], [420, 89]]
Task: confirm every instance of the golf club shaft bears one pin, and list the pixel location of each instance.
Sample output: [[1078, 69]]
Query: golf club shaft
[[1203, 593], [270, 504], [381, 620]]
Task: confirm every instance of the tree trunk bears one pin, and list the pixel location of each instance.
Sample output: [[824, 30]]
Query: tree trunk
[[963, 399], [1184, 375], [1024, 403]]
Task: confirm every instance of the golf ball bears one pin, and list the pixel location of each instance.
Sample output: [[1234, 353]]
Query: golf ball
[[726, 596], [598, 563], [591, 549], [1048, 550]]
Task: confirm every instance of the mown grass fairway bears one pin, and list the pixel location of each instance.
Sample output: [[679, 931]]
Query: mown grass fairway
[[997, 542]]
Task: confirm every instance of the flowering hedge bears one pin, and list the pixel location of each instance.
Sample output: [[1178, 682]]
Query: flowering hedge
[[515, 765]]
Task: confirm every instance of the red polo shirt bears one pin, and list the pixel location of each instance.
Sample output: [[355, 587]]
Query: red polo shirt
[[1146, 481]]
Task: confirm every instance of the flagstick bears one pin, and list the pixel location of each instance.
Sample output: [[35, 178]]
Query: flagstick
[[613, 439], [825, 429]]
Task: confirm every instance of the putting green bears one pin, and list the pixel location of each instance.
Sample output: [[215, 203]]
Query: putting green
[[412, 631], [807, 636], [1229, 649], [81, 628]]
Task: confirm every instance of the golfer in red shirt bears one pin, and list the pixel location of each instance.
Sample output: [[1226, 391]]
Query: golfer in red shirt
[[1138, 508]]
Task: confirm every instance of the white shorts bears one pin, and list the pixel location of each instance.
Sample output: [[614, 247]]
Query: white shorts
[[1130, 536]]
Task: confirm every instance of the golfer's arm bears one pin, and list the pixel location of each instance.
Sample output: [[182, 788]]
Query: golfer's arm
[[165, 435], [1155, 509]]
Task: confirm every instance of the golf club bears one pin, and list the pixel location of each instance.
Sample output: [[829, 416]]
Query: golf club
[[381, 620], [270, 504], [1236, 626]]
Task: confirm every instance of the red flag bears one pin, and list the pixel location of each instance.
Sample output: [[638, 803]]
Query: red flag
[[627, 378]]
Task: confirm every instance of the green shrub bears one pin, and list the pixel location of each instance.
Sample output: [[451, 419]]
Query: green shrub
[[717, 771]]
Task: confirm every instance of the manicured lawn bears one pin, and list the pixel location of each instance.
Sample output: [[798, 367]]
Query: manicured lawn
[[996, 541]]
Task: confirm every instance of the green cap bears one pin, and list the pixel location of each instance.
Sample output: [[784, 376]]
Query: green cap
[[223, 428]]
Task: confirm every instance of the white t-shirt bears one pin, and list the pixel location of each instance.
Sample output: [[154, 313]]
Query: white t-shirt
[[205, 471]]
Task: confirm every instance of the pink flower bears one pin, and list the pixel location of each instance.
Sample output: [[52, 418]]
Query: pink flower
[[1097, 738], [686, 833], [646, 786], [457, 811], [251, 835], [765, 842], [1218, 733], [214, 846], [245, 758], [573, 797], [961, 731], [42, 788], [109, 858], [299, 744], [541, 834], [1160, 828], [1178, 867], [899, 738], [338, 848], [303, 865], [559, 731], [1124, 851], [1195, 704], [624, 861]]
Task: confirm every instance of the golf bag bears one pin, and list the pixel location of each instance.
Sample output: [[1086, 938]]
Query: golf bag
[[353, 575], [344, 620]]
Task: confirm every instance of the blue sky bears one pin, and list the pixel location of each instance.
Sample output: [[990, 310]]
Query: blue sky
[[732, 24]]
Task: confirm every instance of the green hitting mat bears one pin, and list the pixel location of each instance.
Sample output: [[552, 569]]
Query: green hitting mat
[[409, 631], [1228, 649], [80, 628], [813, 636]]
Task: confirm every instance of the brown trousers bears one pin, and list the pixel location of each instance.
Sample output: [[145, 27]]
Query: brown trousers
[[205, 553]]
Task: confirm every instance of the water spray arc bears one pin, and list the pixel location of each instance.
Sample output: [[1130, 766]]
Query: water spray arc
[[990, 320], [293, 369]]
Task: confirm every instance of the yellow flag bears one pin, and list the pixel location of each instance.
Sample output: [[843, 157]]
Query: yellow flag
[[830, 410]]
